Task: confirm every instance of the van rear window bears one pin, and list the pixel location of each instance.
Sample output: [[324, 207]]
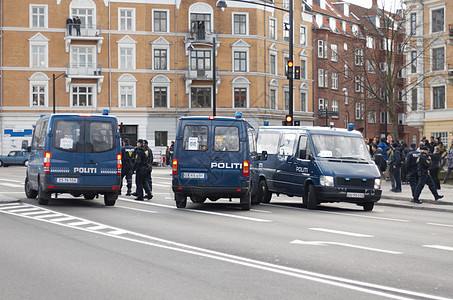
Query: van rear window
[[226, 139], [195, 138], [84, 136]]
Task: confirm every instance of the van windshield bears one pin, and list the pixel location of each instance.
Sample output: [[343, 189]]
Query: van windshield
[[84, 136], [337, 146]]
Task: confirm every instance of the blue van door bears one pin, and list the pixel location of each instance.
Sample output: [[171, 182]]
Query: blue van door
[[303, 166], [284, 173]]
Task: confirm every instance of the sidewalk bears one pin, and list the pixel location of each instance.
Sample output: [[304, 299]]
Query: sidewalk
[[403, 199]]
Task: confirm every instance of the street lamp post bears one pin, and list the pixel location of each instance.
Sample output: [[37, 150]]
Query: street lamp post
[[222, 4], [53, 87]]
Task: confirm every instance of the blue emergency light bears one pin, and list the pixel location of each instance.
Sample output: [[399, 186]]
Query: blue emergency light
[[105, 112], [266, 123], [238, 115], [350, 127]]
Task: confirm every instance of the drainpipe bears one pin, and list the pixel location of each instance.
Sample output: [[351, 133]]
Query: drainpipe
[[110, 65], [176, 65]]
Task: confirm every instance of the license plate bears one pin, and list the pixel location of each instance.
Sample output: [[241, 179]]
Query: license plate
[[355, 195], [188, 175], [67, 180]]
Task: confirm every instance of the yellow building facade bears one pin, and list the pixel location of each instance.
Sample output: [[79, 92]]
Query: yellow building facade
[[149, 63]]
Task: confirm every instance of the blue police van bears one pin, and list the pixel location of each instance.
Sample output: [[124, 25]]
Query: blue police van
[[75, 154], [318, 164], [214, 157]]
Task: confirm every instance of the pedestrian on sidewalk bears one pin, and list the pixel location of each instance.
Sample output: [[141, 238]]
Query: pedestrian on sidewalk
[[423, 164], [395, 167], [449, 162], [411, 165], [379, 160], [435, 165]]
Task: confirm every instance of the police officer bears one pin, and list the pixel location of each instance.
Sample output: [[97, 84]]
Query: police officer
[[127, 161], [149, 180], [423, 164], [411, 166], [395, 164], [141, 170]]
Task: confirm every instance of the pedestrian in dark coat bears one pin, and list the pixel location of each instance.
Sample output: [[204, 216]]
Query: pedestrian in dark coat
[[411, 165], [449, 162], [69, 25], [435, 166], [395, 165], [127, 165], [77, 23], [141, 170], [149, 180]]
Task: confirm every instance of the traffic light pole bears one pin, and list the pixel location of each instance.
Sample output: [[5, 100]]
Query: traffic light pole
[[291, 83]]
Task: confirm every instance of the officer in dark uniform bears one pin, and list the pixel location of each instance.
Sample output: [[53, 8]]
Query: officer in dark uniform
[[149, 180], [141, 170], [411, 166], [127, 161], [423, 164]]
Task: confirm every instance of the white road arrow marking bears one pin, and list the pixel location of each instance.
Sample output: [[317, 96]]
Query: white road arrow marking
[[341, 232], [439, 247], [324, 243]]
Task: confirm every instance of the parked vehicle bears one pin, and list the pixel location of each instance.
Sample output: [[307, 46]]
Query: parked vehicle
[[318, 164], [215, 157], [75, 154], [15, 157]]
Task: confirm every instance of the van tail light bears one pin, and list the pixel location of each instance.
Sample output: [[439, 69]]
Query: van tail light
[[245, 168], [47, 156], [119, 165], [174, 166]]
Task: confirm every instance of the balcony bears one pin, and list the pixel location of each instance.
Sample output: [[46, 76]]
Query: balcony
[[200, 75], [86, 34], [450, 73], [84, 71]]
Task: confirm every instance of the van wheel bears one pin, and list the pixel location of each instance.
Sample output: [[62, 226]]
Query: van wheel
[[89, 196], [181, 200], [31, 194], [26, 163], [109, 198], [368, 206], [43, 197], [246, 201], [264, 193], [312, 202]]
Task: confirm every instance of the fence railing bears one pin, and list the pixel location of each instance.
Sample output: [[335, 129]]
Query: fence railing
[[84, 69]]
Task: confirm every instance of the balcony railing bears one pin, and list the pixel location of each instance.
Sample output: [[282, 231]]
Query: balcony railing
[[71, 31], [201, 74], [84, 70]]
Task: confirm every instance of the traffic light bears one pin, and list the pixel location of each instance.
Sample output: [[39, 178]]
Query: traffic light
[[296, 72], [289, 73], [288, 121], [296, 123]]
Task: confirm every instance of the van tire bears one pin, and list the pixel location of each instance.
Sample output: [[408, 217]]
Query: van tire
[[181, 200], [368, 206], [31, 194], [312, 202], [110, 199], [263, 192], [246, 201], [43, 197]]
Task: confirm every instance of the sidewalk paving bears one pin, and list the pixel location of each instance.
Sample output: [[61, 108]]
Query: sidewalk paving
[[403, 199]]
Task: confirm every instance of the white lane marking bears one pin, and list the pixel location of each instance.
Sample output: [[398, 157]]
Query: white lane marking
[[137, 209], [23, 209], [11, 184], [325, 243], [11, 205], [47, 216], [361, 286], [438, 224], [161, 184], [118, 232], [261, 211], [341, 232], [11, 180], [62, 219], [97, 227], [78, 223], [201, 211], [440, 247], [35, 213]]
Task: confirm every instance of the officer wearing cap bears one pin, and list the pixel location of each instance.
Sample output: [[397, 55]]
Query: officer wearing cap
[[411, 166], [423, 164], [149, 181], [127, 161], [141, 170]]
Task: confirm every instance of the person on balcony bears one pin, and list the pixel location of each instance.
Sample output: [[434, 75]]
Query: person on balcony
[[69, 25], [77, 24], [201, 30]]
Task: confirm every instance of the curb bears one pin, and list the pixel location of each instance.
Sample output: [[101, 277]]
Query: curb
[[10, 201], [439, 202], [420, 207]]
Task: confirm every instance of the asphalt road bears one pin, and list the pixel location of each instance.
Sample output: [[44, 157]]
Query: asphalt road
[[74, 248]]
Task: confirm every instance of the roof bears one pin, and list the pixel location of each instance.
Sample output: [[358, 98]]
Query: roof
[[314, 130]]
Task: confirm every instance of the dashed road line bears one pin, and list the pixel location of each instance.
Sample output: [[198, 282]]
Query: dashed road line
[[341, 232], [441, 225], [440, 247]]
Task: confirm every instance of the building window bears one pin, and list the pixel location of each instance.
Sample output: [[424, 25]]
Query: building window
[[303, 101], [127, 58], [334, 80], [285, 31], [160, 21], [413, 23], [160, 97], [334, 105], [273, 64], [323, 104], [240, 24], [38, 56], [346, 96], [384, 118], [240, 61], [438, 58], [370, 42], [439, 97], [272, 29], [359, 111], [38, 16], [200, 97], [286, 99], [414, 94], [323, 78], [334, 52], [303, 69], [372, 117], [303, 35], [127, 19], [273, 99], [240, 97], [195, 19], [83, 59], [160, 59], [200, 60], [357, 84], [442, 136], [160, 138], [413, 62], [127, 96], [370, 67], [82, 96], [86, 16], [438, 20], [358, 57], [39, 95], [322, 49], [346, 69]]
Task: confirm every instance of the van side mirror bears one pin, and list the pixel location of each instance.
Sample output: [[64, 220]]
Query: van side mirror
[[264, 155], [302, 153], [29, 149]]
